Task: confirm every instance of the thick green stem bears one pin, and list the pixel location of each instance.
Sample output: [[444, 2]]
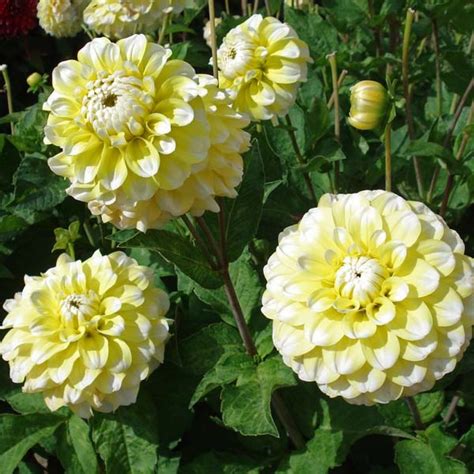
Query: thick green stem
[[434, 26], [388, 157], [340, 81], [407, 93]]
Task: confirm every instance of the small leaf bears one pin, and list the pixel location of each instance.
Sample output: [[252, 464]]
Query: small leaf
[[246, 405], [127, 439], [75, 449], [429, 454]]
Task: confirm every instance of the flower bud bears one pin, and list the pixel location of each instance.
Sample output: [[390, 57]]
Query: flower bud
[[33, 79], [369, 104]]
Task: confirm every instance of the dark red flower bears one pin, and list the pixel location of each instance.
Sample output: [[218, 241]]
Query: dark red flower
[[17, 17]]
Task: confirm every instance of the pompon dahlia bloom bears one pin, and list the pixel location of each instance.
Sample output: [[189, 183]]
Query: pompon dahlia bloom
[[262, 63], [121, 18], [17, 17], [86, 333], [371, 296], [143, 137], [61, 18]]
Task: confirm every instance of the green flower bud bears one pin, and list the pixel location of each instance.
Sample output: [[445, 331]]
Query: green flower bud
[[369, 105], [33, 79]]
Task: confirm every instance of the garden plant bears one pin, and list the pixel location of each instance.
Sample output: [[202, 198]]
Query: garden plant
[[235, 237]]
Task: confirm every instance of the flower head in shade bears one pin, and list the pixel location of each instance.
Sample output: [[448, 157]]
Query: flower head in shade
[[143, 137], [369, 105], [122, 18], [371, 296], [85, 334], [61, 18], [262, 62], [206, 31], [17, 17]]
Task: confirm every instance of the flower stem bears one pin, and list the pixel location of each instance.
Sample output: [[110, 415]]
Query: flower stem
[[220, 252], [164, 25], [212, 24], [337, 126], [415, 413], [300, 157], [200, 242], [227, 7], [388, 157], [8, 90], [340, 80], [407, 94], [88, 232]]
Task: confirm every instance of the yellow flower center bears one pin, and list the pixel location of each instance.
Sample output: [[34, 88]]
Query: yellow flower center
[[78, 308], [360, 279], [116, 107]]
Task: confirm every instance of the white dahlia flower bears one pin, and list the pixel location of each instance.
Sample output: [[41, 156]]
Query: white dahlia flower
[[371, 297], [85, 334]]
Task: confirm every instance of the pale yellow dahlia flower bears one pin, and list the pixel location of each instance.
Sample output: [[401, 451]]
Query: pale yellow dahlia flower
[[371, 296], [61, 18], [144, 138], [262, 63], [85, 334], [122, 18]]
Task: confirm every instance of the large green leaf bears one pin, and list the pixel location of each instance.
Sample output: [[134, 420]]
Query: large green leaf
[[244, 212], [74, 447], [246, 405], [429, 454], [19, 433]]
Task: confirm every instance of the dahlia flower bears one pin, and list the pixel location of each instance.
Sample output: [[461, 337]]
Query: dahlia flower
[[371, 297], [61, 18], [122, 18], [262, 62], [143, 137], [85, 334], [17, 17], [369, 105]]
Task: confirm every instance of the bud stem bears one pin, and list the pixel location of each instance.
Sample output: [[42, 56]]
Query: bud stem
[[415, 413], [407, 94], [212, 24], [337, 126], [388, 157], [8, 90], [164, 25]]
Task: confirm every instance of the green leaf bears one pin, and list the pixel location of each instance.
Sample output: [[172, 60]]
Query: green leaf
[[226, 370], [19, 433], [224, 463], [201, 351], [429, 454], [180, 251], [75, 449], [341, 426], [243, 214], [424, 148], [127, 439], [246, 405]]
